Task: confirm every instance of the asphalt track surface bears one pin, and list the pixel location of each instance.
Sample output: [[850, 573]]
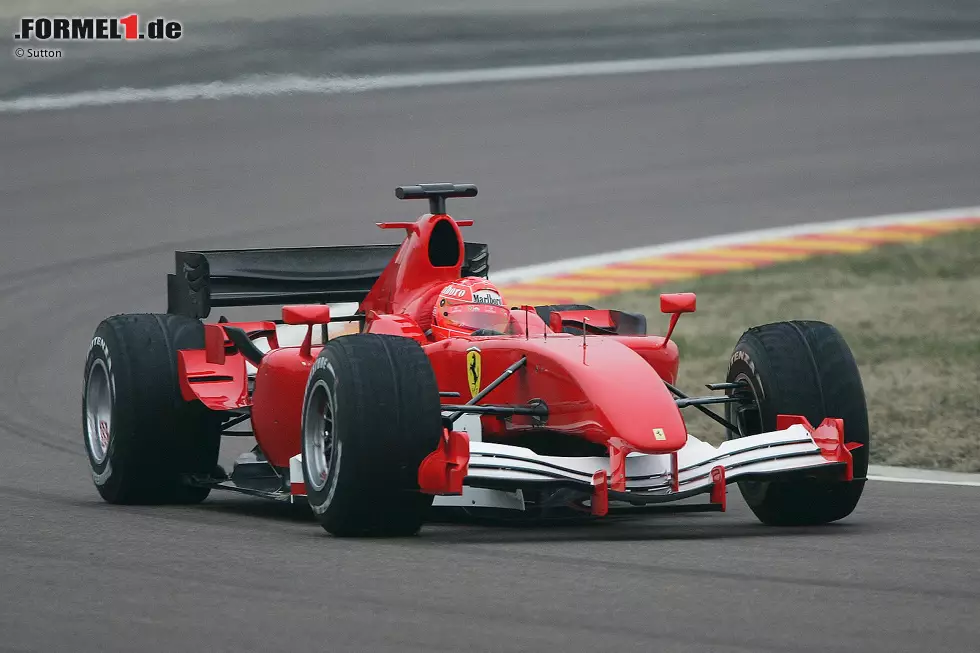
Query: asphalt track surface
[[95, 200], [224, 39]]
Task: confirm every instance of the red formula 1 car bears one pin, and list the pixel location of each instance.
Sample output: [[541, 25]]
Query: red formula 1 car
[[446, 394]]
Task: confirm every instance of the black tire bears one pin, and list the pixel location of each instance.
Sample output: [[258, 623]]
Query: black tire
[[544, 312], [801, 368], [377, 399], [153, 439]]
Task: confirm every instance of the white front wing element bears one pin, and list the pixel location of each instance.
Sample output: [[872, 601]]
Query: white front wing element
[[472, 497], [789, 450]]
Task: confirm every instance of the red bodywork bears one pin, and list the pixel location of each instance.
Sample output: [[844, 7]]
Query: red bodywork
[[606, 389]]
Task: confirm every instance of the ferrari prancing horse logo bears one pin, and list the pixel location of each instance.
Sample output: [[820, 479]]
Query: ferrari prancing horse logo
[[658, 434], [474, 368]]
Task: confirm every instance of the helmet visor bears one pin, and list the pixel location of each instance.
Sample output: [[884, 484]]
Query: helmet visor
[[479, 316]]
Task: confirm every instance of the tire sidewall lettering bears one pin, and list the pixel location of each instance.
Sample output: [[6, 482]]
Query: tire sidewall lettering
[[323, 372], [101, 472], [740, 356], [99, 341], [321, 363]]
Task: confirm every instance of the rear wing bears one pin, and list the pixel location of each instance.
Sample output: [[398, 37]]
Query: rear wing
[[255, 277]]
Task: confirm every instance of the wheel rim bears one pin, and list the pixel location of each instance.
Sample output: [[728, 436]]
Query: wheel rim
[[98, 411], [753, 488], [740, 412], [318, 435]]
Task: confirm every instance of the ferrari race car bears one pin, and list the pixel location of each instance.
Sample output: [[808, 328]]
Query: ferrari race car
[[441, 393]]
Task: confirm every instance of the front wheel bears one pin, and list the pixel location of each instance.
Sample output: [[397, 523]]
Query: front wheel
[[800, 368], [371, 415]]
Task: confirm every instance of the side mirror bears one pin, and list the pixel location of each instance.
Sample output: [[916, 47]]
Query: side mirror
[[676, 304], [310, 315]]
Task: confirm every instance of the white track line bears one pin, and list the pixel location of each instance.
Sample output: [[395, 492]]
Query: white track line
[[922, 481], [258, 86], [921, 476]]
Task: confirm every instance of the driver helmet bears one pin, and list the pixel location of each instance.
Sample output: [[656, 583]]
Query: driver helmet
[[469, 305]]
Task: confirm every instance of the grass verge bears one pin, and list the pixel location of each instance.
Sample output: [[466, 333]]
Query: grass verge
[[910, 312]]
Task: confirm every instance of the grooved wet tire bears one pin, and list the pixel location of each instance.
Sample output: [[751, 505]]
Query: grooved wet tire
[[544, 312], [801, 368], [371, 414], [141, 437]]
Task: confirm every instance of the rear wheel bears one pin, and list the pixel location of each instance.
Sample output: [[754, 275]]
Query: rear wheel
[[800, 368], [370, 417], [143, 440]]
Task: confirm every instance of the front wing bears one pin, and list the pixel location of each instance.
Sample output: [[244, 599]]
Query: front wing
[[497, 474]]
